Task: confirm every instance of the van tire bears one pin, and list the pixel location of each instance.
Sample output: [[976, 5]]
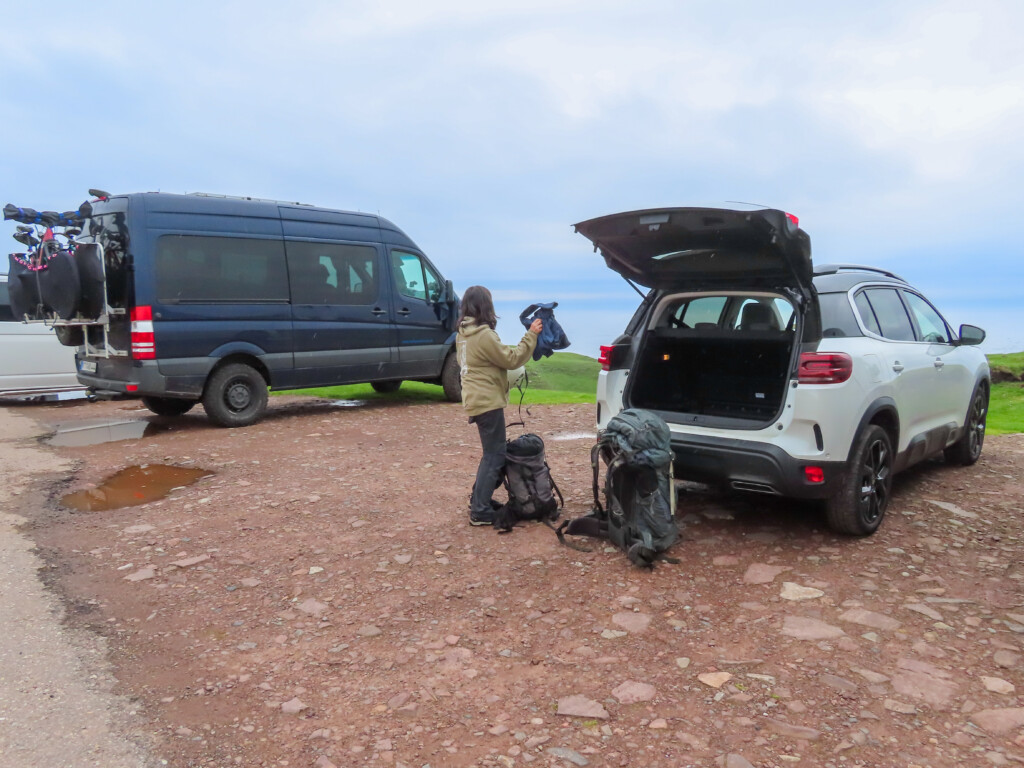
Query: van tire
[[860, 501], [386, 387], [168, 406], [235, 395], [451, 379], [70, 335]]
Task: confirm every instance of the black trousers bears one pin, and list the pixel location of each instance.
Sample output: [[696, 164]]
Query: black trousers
[[491, 426]]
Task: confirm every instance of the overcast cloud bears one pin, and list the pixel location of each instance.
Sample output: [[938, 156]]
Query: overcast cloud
[[485, 130]]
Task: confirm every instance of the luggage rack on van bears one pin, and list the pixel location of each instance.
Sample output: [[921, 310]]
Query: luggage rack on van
[[250, 199], [106, 349]]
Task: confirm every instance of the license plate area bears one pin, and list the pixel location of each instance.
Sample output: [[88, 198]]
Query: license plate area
[[87, 366]]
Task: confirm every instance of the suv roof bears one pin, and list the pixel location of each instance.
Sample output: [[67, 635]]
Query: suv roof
[[829, 278]]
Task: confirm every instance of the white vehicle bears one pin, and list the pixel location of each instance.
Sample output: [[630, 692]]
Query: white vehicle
[[32, 361], [779, 378]]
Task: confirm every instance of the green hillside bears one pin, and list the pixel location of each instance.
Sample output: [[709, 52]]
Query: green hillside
[[565, 377]]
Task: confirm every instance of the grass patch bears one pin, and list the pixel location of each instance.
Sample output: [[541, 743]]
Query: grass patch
[[1006, 401], [1006, 409]]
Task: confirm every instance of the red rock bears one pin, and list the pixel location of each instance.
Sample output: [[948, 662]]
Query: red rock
[[581, 706]]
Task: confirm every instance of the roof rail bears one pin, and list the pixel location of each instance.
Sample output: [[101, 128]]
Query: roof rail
[[252, 199], [831, 269]]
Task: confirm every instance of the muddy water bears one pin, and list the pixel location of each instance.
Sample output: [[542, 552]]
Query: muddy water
[[132, 486]]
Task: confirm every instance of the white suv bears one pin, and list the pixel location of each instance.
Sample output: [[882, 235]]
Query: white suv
[[779, 378]]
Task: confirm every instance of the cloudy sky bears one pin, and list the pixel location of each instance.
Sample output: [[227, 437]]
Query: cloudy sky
[[486, 129]]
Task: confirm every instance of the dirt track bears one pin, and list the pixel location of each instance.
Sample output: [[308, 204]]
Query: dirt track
[[331, 606]]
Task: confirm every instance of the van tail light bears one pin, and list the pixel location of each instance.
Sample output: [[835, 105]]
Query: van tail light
[[793, 219], [143, 344], [825, 367], [613, 357]]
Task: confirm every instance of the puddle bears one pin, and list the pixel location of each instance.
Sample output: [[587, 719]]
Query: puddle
[[133, 486], [95, 431], [575, 436], [348, 403]]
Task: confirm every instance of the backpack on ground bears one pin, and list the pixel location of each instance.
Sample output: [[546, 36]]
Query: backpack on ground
[[531, 489], [638, 515]]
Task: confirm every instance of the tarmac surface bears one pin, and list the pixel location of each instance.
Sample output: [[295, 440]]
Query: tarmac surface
[[56, 705]]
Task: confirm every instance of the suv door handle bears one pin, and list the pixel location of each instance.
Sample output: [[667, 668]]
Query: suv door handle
[[404, 311], [378, 311], [897, 367], [938, 362]]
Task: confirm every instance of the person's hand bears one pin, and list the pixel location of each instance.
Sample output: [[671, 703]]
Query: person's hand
[[536, 326]]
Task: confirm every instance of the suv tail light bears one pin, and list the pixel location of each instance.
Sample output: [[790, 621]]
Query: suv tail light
[[143, 344], [825, 367], [613, 356]]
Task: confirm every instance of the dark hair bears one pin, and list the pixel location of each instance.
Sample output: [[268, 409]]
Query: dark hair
[[477, 305]]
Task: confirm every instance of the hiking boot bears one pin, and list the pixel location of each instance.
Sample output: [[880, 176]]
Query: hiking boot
[[481, 518]]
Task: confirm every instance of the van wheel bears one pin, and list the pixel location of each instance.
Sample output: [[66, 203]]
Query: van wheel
[[451, 379], [70, 335], [859, 504], [967, 450], [168, 406], [384, 387], [235, 396]]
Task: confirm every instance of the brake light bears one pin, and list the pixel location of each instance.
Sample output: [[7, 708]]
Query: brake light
[[612, 356], [825, 367], [814, 474], [143, 343], [793, 219]]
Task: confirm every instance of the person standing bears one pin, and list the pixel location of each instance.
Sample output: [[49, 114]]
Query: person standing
[[484, 362]]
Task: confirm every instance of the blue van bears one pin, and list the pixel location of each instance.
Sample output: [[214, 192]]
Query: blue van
[[201, 298]]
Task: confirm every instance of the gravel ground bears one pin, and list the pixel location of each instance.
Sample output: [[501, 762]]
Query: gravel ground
[[320, 600]]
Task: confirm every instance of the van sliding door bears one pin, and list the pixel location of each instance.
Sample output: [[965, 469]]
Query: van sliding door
[[340, 316]]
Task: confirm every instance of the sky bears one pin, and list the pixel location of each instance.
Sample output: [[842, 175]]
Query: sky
[[485, 130]]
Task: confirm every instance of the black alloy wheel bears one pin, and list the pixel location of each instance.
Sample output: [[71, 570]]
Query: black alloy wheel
[[967, 450], [862, 498]]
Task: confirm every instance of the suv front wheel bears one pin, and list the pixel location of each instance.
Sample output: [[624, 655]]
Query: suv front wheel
[[860, 502], [967, 450]]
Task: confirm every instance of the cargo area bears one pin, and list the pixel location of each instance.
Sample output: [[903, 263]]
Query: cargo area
[[713, 372]]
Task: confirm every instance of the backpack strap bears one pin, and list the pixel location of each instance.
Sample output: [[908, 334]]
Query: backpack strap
[[522, 387], [588, 525], [554, 486]]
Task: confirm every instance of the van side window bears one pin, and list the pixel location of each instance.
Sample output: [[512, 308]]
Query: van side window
[[195, 268], [332, 273], [414, 277]]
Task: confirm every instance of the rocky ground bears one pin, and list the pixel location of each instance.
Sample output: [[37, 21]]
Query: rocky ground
[[320, 600]]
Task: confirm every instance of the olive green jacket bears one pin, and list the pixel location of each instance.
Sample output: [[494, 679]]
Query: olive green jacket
[[483, 361]]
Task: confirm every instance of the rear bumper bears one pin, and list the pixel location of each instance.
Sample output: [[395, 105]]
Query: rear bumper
[[138, 378], [745, 465]]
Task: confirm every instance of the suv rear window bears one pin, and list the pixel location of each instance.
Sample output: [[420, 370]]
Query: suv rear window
[[837, 319]]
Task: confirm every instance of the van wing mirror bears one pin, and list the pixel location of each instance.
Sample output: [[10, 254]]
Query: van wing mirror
[[449, 292], [971, 335]]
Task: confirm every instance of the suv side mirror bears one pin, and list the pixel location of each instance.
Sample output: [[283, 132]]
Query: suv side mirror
[[971, 335], [449, 291]]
